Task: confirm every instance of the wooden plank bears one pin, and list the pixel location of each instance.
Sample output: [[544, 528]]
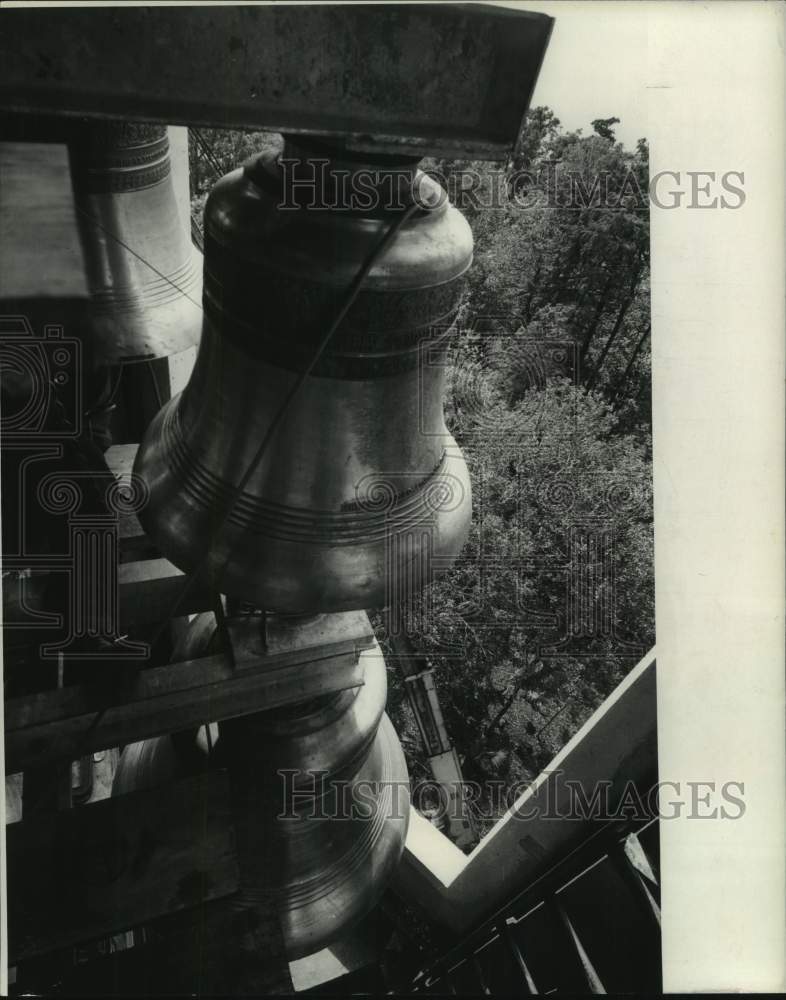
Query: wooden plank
[[620, 933], [220, 949], [148, 590], [617, 744], [42, 272], [65, 723], [425, 78], [89, 872]]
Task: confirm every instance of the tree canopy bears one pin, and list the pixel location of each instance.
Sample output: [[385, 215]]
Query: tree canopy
[[548, 396]]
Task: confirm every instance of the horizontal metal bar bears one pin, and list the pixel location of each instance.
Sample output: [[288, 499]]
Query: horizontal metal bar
[[431, 78], [583, 856]]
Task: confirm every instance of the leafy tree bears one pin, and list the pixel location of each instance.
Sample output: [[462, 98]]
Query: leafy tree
[[539, 130], [562, 257], [603, 127], [570, 236], [213, 152]]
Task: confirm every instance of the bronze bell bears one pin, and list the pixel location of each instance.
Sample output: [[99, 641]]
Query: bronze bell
[[362, 495], [144, 274], [320, 795]]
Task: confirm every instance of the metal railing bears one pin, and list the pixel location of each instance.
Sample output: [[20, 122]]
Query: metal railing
[[590, 924]]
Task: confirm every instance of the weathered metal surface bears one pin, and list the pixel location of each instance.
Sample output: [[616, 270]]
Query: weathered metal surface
[[320, 793], [94, 234], [431, 78], [361, 496], [145, 276]]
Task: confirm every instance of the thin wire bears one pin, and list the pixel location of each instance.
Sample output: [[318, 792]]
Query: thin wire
[[208, 152], [98, 406], [239, 489], [217, 169], [139, 257], [197, 236]]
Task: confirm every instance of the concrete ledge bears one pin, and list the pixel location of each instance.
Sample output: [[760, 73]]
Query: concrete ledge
[[616, 746]]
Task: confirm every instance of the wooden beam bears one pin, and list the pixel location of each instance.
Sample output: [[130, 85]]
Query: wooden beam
[[220, 949], [63, 724], [148, 590], [88, 872], [42, 273], [430, 78]]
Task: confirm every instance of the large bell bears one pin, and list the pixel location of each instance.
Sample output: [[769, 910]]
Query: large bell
[[362, 495], [144, 274], [320, 796]]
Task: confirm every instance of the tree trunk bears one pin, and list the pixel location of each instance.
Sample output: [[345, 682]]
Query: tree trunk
[[621, 380], [616, 328]]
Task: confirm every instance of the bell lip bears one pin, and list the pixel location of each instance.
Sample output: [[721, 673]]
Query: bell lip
[[396, 827], [302, 910], [327, 587], [319, 579]]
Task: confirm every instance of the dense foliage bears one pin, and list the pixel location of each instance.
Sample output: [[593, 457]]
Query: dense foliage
[[549, 399]]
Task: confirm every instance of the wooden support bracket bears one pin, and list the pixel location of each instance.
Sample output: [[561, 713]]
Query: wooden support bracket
[[63, 724]]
